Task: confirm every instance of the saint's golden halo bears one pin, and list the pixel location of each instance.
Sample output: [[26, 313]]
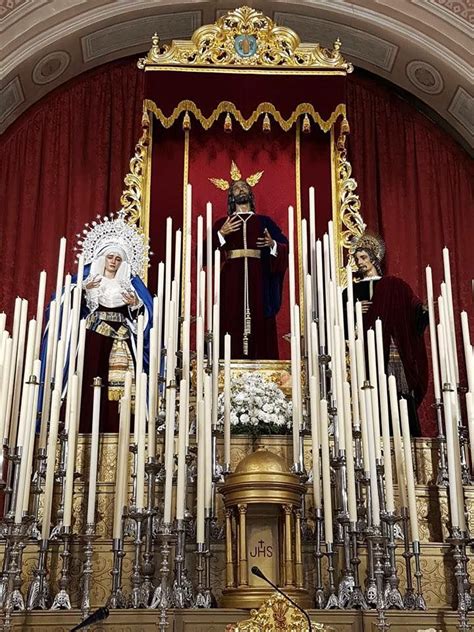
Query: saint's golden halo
[[236, 175]]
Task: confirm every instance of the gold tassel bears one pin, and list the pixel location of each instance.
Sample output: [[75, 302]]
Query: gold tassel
[[228, 123], [186, 121], [266, 127], [306, 127]]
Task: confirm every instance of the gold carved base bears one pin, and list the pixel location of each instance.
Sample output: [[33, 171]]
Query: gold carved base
[[218, 620], [254, 596]]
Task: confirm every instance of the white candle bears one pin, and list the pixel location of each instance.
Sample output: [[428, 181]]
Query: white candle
[[320, 292], [199, 245], [351, 486], [409, 471], [71, 453], [384, 415], [209, 277], [338, 378], [182, 434], [60, 269], [11, 378], [122, 465], [152, 393], [50, 463], [450, 309], [65, 307], [312, 233], [94, 453], [295, 402], [374, 392], [327, 292], [291, 265], [39, 312], [304, 259], [169, 454], [470, 424], [32, 412], [351, 344], [3, 321], [332, 250], [361, 394], [374, 492], [138, 369], [208, 439], [201, 474], [227, 406], [18, 384], [467, 352], [140, 425], [315, 439], [326, 471], [48, 372], [80, 359], [215, 362], [397, 442], [177, 277], [26, 403], [30, 348], [187, 253], [308, 323], [199, 357], [75, 316], [434, 345], [168, 254], [7, 354]]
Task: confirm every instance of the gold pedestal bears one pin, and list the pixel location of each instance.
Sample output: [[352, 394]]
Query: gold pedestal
[[262, 500], [253, 596]]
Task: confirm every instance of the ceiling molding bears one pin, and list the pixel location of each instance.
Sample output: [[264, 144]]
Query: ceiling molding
[[418, 45], [138, 32]]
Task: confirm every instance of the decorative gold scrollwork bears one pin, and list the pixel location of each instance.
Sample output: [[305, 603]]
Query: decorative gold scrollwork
[[351, 223], [131, 199], [245, 37]]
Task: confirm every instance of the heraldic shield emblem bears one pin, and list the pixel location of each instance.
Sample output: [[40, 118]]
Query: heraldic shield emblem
[[245, 45]]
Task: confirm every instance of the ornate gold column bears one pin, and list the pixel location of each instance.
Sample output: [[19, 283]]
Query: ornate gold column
[[288, 509], [298, 556], [229, 549], [243, 579]]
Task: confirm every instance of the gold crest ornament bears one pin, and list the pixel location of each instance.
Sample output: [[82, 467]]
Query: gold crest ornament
[[236, 175]]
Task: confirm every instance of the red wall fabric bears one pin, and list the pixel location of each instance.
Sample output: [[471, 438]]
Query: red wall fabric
[[416, 186], [64, 161]]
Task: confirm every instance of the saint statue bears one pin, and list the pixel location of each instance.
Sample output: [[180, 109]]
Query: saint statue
[[404, 319], [254, 260], [115, 253]]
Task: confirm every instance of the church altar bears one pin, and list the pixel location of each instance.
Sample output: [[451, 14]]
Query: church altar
[[164, 522]]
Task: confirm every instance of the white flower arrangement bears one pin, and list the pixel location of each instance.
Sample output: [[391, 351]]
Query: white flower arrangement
[[257, 406]]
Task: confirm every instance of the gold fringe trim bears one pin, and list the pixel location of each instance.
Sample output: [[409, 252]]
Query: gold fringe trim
[[246, 123]]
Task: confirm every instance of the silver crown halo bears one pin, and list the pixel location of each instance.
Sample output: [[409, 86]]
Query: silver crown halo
[[114, 230]]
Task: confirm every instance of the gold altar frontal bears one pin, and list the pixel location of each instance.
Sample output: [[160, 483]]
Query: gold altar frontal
[[262, 501]]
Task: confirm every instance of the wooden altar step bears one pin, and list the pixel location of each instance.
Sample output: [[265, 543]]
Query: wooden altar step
[[217, 620]]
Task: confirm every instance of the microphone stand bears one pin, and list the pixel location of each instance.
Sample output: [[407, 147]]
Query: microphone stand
[[258, 573]]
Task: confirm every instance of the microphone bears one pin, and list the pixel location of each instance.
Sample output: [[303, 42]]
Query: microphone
[[99, 615], [258, 573]]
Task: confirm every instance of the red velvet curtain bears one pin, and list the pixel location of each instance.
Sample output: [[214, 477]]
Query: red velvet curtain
[[416, 185], [64, 161]]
